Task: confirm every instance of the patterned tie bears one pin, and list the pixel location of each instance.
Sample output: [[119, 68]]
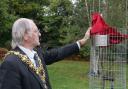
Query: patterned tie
[[36, 59], [37, 65]]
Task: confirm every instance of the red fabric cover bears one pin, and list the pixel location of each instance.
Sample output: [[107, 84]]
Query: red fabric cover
[[100, 27]]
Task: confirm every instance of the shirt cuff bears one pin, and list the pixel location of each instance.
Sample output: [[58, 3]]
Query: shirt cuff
[[78, 44]]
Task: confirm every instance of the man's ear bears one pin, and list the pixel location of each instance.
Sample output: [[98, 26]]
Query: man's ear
[[26, 37]]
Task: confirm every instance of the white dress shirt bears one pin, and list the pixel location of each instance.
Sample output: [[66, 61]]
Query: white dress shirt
[[78, 44], [29, 53]]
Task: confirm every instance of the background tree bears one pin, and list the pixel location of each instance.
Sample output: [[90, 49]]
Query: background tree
[[6, 20], [10, 10], [74, 27], [56, 14]]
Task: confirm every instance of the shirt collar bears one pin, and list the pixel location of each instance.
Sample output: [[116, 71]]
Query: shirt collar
[[28, 52]]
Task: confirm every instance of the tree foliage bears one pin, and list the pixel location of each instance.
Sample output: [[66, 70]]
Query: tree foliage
[[56, 16], [6, 20], [10, 10]]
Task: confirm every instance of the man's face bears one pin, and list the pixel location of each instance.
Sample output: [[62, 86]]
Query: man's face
[[33, 36]]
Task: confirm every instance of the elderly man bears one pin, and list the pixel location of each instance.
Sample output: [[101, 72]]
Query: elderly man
[[25, 68]]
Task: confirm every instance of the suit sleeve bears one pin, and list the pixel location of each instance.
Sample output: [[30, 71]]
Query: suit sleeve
[[9, 76], [57, 54]]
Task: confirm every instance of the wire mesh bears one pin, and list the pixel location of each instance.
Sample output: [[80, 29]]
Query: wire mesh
[[108, 59], [108, 62], [111, 10]]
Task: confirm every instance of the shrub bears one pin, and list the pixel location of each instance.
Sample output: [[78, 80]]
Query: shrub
[[3, 51]]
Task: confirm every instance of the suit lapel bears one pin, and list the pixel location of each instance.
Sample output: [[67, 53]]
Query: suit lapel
[[31, 71], [37, 77]]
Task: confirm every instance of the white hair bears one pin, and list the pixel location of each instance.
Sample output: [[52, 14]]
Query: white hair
[[20, 27]]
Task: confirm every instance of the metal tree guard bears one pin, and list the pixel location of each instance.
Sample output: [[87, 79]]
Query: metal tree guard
[[108, 61]]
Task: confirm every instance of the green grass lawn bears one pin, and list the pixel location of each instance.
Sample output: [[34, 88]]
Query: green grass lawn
[[70, 75]]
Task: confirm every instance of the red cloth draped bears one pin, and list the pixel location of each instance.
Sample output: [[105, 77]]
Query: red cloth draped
[[100, 27]]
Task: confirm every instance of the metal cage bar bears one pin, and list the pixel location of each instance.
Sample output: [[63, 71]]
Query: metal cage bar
[[108, 65], [108, 61]]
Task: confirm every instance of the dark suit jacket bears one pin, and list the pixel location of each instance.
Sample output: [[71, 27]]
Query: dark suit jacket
[[14, 74]]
